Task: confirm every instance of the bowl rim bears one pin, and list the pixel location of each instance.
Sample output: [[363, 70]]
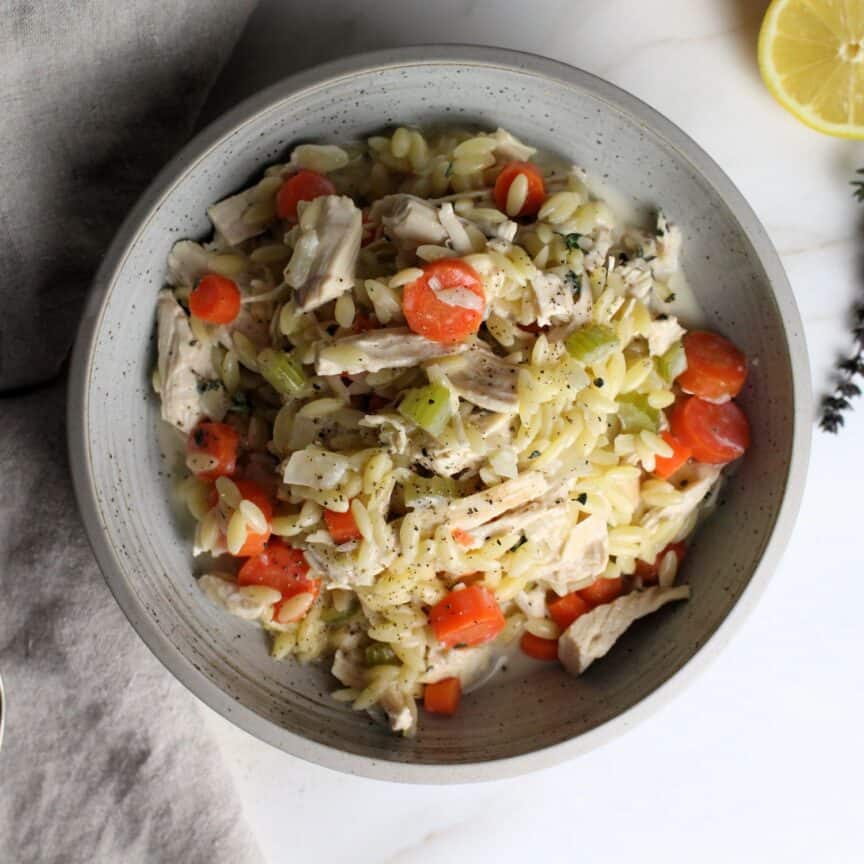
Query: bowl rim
[[81, 370]]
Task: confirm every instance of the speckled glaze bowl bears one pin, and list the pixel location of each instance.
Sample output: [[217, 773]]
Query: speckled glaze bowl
[[144, 550]]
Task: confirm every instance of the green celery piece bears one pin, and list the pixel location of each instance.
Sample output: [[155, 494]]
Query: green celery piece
[[671, 364], [636, 414], [591, 344], [380, 654], [282, 371], [423, 491], [428, 407]]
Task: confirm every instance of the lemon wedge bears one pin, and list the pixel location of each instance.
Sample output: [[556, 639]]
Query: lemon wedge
[[811, 55]]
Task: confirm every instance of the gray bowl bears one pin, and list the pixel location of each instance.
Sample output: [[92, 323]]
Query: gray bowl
[[120, 476]]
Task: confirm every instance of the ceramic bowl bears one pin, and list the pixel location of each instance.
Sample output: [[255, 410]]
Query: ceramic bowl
[[120, 474]]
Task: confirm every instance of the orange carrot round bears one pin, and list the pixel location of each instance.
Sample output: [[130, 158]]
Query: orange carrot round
[[538, 647], [565, 610], [215, 299], [717, 434], [342, 526], [536, 187], [470, 616], [716, 369], [442, 697], [666, 466], [649, 573], [302, 186], [602, 591], [219, 441], [439, 304]]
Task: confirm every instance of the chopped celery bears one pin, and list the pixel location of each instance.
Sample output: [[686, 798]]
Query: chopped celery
[[426, 491], [428, 407], [332, 616], [380, 654], [673, 363], [636, 414], [591, 344], [282, 371]]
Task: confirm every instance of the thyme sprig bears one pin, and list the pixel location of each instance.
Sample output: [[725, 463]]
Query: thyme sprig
[[845, 387]]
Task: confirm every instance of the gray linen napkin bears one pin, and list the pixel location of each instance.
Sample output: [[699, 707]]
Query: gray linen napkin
[[105, 758]]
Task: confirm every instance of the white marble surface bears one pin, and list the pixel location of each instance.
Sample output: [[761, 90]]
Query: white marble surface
[[760, 759]]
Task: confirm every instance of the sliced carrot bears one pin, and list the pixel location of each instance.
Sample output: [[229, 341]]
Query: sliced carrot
[[463, 538], [666, 466], [717, 434], [443, 696], [215, 299], [281, 567], [302, 186], [219, 441], [536, 187], [342, 526], [538, 647], [439, 304], [649, 573], [565, 610], [470, 616], [716, 369], [602, 591]]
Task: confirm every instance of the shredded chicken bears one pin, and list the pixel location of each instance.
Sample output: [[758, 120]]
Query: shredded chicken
[[591, 635], [408, 221], [480, 508], [483, 379], [509, 147], [582, 552], [554, 301], [325, 255], [663, 334], [187, 262], [460, 241], [228, 217], [392, 431], [449, 459], [186, 370], [392, 348]]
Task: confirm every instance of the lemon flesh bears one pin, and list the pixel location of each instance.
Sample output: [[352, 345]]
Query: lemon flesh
[[811, 55]]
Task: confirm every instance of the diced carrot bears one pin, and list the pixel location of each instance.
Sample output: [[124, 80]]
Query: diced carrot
[[649, 573], [536, 187], [215, 299], [463, 538], [302, 186], [538, 647], [281, 567], [442, 697], [717, 434], [602, 591], [716, 369], [565, 610], [666, 466], [219, 441], [342, 526], [438, 305], [470, 616]]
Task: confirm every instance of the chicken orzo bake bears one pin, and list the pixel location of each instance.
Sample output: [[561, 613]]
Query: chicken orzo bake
[[437, 407]]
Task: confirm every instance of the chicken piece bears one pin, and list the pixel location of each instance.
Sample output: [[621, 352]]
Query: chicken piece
[[510, 148], [374, 350], [663, 334], [325, 255], [341, 568], [483, 379], [408, 221], [221, 589], [227, 217], [392, 431], [401, 710], [593, 634], [669, 241], [482, 507], [348, 668], [553, 299], [581, 552], [187, 262], [188, 381], [448, 460], [460, 241], [469, 665], [694, 481]]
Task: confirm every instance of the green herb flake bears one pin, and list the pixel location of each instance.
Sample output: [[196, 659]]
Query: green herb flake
[[534, 454], [574, 282], [582, 498], [448, 170], [571, 241]]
